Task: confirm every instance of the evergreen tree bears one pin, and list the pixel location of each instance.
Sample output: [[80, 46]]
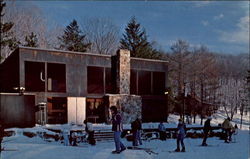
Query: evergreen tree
[[73, 39], [135, 40], [5, 31], [31, 40]]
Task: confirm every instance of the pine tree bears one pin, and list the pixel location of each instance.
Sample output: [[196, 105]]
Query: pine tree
[[5, 31], [31, 40], [73, 39], [135, 40]]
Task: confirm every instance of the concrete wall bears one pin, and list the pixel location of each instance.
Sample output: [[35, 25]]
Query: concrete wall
[[16, 110]]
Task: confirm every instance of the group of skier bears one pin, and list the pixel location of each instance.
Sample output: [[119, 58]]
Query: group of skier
[[136, 128]]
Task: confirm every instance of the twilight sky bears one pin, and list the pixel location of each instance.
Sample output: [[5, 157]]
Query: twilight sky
[[221, 26]]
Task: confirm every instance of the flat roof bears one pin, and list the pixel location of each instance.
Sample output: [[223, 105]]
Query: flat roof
[[88, 53], [70, 52]]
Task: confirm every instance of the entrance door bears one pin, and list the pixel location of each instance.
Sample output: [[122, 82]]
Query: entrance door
[[76, 109]]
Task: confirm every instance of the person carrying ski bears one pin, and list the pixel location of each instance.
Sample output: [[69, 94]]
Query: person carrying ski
[[117, 128], [162, 131], [89, 130], [181, 135], [206, 130], [227, 127]]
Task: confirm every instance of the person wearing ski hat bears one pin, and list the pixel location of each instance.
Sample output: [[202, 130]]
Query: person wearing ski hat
[[227, 127], [117, 129], [181, 135], [206, 130]]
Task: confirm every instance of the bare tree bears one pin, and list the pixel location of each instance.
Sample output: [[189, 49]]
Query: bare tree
[[203, 79], [179, 59], [29, 18], [230, 99], [103, 34]]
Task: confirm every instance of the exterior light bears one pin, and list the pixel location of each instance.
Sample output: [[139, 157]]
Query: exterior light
[[20, 89]]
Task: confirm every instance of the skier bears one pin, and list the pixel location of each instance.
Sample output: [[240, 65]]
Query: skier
[[135, 129], [162, 130], [227, 127], [206, 130], [89, 130], [74, 138], [181, 135], [117, 128], [139, 131]]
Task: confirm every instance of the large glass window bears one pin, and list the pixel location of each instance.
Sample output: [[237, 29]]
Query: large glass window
[[109, 87], [56, 77], [95, 80], [57, 110], [158, 83], [35, 76], [144, 83], [133, 82], [95, 110]]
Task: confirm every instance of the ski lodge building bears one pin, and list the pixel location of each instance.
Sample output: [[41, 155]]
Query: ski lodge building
[[53, 86]]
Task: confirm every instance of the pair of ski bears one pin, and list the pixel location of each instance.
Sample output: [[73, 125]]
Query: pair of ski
[[3, 149], [176, 151], [147, 150]]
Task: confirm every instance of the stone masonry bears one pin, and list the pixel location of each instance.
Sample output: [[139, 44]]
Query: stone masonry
[[123, 72], [129, 105]]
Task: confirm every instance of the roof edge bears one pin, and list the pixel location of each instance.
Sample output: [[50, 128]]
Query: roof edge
[[70, 52]]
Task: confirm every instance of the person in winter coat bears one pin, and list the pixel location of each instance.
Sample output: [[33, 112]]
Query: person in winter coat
[[162, 131], [89, 130], [117, 128], [134, 129], [74, 138], [228, 128], [206, 130], [65, 135], [139, 131], [181, 135]]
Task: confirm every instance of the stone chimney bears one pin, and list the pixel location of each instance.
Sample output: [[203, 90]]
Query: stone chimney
[[129, 105], [123, 72]]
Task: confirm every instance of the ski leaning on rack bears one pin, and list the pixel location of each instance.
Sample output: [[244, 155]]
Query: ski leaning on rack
[[148, 150]]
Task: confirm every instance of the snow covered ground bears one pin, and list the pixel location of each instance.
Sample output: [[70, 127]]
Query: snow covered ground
[[22, 147]]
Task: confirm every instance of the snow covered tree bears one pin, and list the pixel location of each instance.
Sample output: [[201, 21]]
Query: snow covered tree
[[73, 39], [31, 40], [6, 40]]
